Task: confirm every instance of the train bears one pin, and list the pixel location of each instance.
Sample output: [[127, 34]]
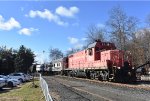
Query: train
[[100, 60]]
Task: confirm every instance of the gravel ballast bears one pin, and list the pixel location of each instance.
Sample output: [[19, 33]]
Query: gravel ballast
[[73, 89]]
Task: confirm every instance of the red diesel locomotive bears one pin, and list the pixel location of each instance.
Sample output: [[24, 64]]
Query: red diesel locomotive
[[101, 60]]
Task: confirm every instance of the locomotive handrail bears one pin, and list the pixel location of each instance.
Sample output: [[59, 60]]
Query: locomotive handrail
[[141, 66]]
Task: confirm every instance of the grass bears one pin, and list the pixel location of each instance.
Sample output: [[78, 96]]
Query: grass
[[23, 93]]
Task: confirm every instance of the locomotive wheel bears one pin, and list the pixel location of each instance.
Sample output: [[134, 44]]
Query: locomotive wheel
[[100, 78], [88, 74], [93, 75]]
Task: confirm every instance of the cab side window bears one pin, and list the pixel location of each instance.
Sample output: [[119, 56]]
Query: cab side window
[[90, 51], [97, 49]]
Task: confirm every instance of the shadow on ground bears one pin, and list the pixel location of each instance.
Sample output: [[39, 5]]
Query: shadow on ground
[[7, 89]]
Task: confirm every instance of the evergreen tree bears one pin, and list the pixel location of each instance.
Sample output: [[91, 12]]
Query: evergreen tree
[[24, 59]]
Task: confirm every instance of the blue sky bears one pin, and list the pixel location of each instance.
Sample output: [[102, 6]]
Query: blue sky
[[40, 25]]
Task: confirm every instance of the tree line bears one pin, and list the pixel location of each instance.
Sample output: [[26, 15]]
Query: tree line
[[127, 34], [12, 60], [123, 30]]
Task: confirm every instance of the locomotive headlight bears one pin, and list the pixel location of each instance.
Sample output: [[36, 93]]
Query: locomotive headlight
[[118, 67], [129, 73]]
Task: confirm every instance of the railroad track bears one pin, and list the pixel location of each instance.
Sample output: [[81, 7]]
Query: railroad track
[[72, 89], [145, 85], [91, 90], [79, 91]]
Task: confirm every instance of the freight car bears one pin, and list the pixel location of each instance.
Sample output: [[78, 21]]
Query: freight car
[[102, 61]]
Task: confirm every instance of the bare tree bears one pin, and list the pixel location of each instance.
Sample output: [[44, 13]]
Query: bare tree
[[122, 27], [123, 30], [95, 33], [146, 39], [55, 53], [140, 47], [71, 51], [148, 20], [132, 42], [146, 43], [135, 47], [116, 22]]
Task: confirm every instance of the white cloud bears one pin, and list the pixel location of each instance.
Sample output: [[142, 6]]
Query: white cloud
[[83, 39], [27, 31], [100, 25], [63, 11], [78, 46], [69, 49], [73, 40], [46, 14], [8, 25]]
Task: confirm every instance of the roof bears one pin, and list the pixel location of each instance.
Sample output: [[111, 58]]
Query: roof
[[92, 45], [57, 60]]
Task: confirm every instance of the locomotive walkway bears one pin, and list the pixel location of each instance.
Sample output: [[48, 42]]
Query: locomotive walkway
[[71, 89]]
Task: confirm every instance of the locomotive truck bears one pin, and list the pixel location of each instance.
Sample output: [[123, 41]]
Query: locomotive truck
[[102, 61]]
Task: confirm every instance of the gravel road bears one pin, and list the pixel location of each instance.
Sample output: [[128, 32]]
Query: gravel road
[[71, 89]]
